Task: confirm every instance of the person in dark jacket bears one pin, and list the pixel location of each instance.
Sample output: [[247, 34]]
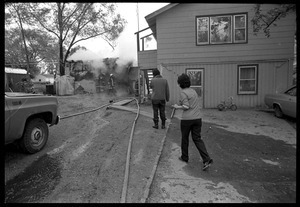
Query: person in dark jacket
[[191, 121], [160, 95]]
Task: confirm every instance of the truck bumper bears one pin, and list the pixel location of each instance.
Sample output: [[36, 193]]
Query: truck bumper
[[56, 121]]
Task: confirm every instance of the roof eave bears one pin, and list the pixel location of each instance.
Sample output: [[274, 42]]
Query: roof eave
[[151, 18]]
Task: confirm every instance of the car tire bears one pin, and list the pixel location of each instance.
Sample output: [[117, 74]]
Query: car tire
[[35, 136], [278, 112]]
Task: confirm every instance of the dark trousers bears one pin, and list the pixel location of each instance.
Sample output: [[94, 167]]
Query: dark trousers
[[193, 126], [159, 106]]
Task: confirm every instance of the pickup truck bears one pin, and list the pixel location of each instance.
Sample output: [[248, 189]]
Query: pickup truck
[[27, 117]]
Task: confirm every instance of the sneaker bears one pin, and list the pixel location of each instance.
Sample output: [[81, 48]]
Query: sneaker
[[180, 158], [207, 164]]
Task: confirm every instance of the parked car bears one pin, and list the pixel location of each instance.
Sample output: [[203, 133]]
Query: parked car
[[27, 117], [283, 103]]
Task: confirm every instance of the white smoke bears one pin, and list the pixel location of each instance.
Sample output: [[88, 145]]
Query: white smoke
[[84, 55]]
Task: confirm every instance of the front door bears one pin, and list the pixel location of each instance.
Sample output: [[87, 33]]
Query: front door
[[196, 76]]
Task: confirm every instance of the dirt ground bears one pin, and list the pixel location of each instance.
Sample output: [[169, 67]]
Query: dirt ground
[[84, 159], [254, 161]]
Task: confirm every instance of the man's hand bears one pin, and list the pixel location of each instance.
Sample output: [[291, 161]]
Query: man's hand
[[176, 106], [184, 107]]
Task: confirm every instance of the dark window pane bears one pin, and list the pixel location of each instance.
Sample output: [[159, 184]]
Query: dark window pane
[[247, 73], [247, 85], [240, 34], [240, 22]]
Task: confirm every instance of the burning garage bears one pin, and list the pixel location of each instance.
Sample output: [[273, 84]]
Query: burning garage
[[101, 75]]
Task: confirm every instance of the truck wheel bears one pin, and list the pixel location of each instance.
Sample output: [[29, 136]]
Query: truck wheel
[[35, 136], [278, 112]]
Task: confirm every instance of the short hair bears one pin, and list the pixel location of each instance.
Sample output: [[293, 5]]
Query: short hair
[[155, 72], [184, 81]]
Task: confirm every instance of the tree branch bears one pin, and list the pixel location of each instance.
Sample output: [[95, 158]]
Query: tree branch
[[41, 23]]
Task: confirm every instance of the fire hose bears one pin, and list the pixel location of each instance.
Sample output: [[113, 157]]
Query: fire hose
[[126, 176], [84, 112], [125, 184], [88, 111]]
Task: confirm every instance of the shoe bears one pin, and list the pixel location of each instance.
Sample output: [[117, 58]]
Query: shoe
[[207, 164], [182, 160], [155, 124], [163, 124]]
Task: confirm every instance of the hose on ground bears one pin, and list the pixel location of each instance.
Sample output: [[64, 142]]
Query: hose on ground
[[88, 111], [125, 183]]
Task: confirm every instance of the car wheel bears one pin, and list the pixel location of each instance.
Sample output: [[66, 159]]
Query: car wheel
[[278, 112], [35, 136]]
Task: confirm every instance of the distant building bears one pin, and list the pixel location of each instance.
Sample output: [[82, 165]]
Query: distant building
[[42, 78]]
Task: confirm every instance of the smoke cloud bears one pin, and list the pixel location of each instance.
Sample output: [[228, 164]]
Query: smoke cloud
[[125, 53]]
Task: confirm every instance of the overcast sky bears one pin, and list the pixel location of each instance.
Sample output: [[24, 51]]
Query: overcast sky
[[126, 44]]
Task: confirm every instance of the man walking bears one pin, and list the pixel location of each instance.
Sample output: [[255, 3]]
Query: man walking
[[160, 95]]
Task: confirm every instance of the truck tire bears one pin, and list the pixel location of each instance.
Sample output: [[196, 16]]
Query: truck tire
[[35, 136], [278, 112]]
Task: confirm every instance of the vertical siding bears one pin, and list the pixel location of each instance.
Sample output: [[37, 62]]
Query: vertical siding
[[221, 81], [177, 50]]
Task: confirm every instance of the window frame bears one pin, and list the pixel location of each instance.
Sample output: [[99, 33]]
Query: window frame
[[233, 29], [239, 92], [193, 72]]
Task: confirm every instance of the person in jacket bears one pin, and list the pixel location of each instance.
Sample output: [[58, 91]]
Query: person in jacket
[[160, 95], [111, 84], [191, 121]]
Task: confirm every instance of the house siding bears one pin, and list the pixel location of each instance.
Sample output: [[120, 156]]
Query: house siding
[[220, 81], [177, 51], [147, 59], [176, 36]]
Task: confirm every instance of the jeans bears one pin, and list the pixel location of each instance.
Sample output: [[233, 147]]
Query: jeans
[[193, 126], [159, 105]]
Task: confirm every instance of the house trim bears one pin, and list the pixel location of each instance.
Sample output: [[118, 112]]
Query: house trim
[[229, 62]]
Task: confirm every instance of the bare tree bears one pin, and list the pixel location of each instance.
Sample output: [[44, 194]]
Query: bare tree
[[263, 20], [16, 11], [71, 23]]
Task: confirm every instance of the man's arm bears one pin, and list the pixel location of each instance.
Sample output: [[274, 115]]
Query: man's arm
[[167, 91]]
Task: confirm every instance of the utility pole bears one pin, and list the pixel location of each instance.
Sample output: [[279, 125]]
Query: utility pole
[[139, 71]]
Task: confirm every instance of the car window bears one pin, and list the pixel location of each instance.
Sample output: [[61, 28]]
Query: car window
[[292, 92]]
